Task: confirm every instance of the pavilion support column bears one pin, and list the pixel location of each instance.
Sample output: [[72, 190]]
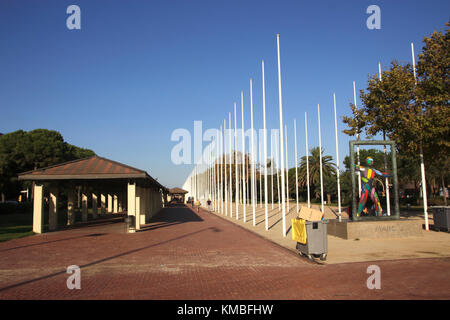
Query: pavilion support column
[[120, 200], [110, 203], [78, 197], [53, 209], [115, 203], [131, 202], [152, 196], [38, 208], [138, 207], [70, 208], [147, 205], [103, 204], [144, 191], [94, 206], [84, 207]]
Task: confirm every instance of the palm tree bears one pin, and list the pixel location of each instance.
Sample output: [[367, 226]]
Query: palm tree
[[328, 168]]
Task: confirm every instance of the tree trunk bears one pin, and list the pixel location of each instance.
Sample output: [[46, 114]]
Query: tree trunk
[[3, 197], [328, 198]]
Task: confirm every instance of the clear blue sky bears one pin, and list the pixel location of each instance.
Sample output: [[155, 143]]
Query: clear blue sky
[[137, 70]]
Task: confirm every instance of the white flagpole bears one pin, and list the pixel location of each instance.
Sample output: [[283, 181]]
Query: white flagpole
[[210, 172], [307, 162], [211, 176], [252, 158], [320, 153], [207, 173], [271, 172], [337, 159], [283, 200], [236, 171], [225, 166], [357, 138], [244, 200], [218, 172], [287, 171], [277, 151], [386, 180], [221, 170], [422, 164], [296, 160], [230, 161], [216, 177], [260, 173]]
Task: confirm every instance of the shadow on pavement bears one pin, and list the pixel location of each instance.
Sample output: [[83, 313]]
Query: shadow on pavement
[[109, 258], [170, 216]]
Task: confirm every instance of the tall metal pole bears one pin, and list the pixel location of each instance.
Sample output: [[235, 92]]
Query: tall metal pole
[[283, 200], [287, 171], [386, 179], [210, 171], [213, 163], [277, 151], [225, 178], [422, 164], [231, 168], [236, 170], [218, 173], [260, 174], [272, 163], [296, 160], [307, 162], [244, 200], [252, 158], [357, 138], [337, 159], [320, 153]]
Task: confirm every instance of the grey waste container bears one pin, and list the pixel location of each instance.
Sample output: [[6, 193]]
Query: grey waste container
[[316, 240], [441, 217]]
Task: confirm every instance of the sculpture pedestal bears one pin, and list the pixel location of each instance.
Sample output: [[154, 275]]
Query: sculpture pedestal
[[401, 228]]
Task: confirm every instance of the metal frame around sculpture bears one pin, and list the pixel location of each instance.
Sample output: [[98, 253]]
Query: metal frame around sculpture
[[352, 145]]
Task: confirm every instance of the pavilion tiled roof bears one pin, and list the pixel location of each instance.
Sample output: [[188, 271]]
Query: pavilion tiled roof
[[94, 167], [177, 191]]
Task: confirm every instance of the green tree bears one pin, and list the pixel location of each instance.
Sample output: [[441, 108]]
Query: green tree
[[414, 115], [433, 95], [328, 169], [22, 151]]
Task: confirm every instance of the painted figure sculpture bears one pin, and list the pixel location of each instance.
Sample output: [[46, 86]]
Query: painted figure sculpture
[[367, 177]]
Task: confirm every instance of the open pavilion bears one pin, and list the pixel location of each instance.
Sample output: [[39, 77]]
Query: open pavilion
[[111, 187]]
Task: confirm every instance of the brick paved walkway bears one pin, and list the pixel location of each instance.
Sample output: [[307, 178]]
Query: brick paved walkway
[[184, 255]]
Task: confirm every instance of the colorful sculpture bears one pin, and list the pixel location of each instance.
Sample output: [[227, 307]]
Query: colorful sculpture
[[367, 177]]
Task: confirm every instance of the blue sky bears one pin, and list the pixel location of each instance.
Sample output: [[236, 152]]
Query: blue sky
[[137, 70]]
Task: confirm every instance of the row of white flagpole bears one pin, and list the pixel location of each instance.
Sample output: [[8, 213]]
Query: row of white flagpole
[[216, 170], [218, 188]]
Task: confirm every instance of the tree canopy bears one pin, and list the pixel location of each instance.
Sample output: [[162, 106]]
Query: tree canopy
[[412, 111], [22, 151]]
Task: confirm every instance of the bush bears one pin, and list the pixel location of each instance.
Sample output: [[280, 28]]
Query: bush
[[21, 207]]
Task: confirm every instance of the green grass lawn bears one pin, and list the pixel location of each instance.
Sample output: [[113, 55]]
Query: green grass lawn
[[17, 225]]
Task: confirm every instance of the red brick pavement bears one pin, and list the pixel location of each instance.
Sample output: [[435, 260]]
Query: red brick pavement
[[185, 255]]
